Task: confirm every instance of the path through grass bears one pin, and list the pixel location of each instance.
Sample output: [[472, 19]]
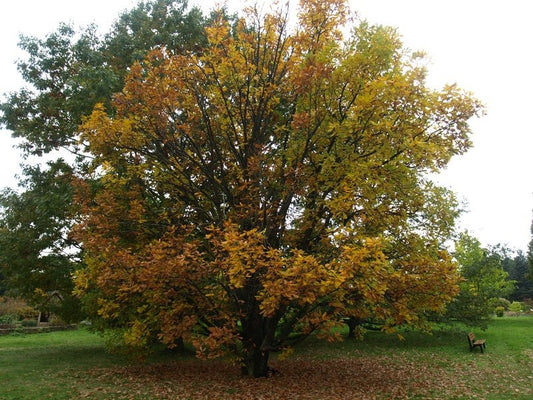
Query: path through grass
[[74, 364]]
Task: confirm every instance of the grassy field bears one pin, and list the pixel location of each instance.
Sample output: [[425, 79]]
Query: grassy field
[[74, 365]]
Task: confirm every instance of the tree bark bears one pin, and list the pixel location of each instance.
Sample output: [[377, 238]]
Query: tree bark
[[352, 323], [255, 363]]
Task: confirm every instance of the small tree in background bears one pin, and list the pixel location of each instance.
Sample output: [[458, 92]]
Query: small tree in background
[[517, 267], [530, 257], [484, 282]]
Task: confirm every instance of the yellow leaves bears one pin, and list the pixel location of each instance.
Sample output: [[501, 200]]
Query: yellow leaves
[[137, 335], [105, 135], [108, 309], [285, 353], [320, 22], [243, 254], [299, 279], [366, 261], [219, 32], [82, 280], [39, 296]]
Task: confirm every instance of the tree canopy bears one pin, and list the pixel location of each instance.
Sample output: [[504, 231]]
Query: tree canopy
[[70, 71], [261, 189]]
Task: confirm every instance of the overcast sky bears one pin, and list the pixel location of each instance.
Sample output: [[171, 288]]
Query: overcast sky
[[483, 45]]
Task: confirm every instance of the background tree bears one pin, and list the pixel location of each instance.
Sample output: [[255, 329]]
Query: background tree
[[37, 255], [530, 256], [484, 281], [67, 73], [518, 269], [3, 287], [258, 191]]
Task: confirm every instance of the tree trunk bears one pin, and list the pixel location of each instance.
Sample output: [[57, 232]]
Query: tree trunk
[[352, 323], [257, 332], [255, 363]]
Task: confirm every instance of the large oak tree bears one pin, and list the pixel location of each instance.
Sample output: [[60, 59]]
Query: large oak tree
[[264, 188]]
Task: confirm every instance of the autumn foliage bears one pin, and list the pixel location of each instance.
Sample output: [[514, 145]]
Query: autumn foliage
[[270, 185]]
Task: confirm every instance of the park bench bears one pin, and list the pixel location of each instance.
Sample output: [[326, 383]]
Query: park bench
[[473, 343]]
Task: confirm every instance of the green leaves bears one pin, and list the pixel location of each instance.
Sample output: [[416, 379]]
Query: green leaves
[[37, 255], [484, 280]]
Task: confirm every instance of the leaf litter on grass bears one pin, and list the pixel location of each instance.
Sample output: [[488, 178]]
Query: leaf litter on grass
[[381, 377]]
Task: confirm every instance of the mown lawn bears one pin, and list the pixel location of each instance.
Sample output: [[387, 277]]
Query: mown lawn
[[74, 365]]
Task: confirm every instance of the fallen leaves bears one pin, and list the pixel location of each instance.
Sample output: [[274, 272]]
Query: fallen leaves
[[369, 377]]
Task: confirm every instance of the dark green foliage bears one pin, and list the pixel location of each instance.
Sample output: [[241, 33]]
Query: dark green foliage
[[3, 287], [37, 256], [29, 323], [166, 23], [518, 269], [68, 72], [530, 256]]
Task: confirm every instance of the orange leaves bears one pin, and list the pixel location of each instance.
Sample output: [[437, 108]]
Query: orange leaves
[[271, 184], [216, 343], [301, 121], [296, 279]]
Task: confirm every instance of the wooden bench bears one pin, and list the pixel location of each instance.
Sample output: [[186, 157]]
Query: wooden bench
[[473, 343]]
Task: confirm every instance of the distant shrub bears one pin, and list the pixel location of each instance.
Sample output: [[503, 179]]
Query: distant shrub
[[8, 319], [499, 311], [10, 306], [56, 320], [528, 305], [516, 306], [500, 302]]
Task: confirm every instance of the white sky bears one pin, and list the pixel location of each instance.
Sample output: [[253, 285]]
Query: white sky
[[483, 45]]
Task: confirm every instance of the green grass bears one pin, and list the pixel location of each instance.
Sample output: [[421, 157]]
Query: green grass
[[74, 364], [48, 365]]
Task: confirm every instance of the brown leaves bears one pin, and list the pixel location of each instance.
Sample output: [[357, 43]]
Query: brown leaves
[[364, 377], [271, 184]]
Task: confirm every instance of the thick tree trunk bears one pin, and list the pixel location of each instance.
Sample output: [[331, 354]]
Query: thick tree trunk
[[257, 332], [352, 324], [255, 364]]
